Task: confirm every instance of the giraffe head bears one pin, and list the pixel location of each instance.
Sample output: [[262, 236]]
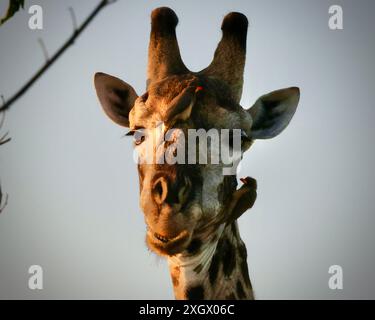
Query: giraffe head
[[185, 201]]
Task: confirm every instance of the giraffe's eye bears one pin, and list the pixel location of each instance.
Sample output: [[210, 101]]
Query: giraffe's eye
[[138, 136]]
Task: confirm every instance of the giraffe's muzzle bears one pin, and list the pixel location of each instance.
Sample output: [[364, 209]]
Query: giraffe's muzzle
[[168, 200], [167, 246]]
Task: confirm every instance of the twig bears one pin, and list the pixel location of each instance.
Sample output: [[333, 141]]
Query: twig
[[59, 52], [2, 141], [44, 49], [74, 20], [4, 138], [2, 206]]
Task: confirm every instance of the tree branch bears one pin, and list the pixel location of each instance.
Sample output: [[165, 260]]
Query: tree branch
[[74, 19], [3, 205], [4, 139], [59, 52], [44, 49]]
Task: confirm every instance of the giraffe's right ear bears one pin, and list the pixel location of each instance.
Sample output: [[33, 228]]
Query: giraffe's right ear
[[116, 97]]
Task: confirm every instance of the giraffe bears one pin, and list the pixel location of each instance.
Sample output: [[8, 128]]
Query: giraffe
[[191, 210]]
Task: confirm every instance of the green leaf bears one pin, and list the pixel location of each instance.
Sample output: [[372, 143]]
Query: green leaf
[[14, 6]]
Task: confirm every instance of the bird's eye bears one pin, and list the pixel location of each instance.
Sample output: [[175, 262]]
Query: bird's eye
[[138, 135], [243, 135]]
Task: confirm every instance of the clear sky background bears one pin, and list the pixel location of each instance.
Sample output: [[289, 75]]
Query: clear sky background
[[73, 186]]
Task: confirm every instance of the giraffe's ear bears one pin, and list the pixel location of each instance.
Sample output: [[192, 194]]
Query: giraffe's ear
[[116, 97], [272, 112]]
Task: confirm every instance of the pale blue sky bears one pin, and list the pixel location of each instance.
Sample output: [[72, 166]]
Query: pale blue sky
[[73, 187]]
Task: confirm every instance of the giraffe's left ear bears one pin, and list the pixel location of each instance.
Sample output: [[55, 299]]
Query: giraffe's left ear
[[272, 112], [116, 97]]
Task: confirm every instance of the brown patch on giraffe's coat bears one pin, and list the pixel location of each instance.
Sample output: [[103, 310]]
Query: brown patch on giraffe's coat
[[228, 257], [245, 274], [233, 228], [240, 291], [226, 188], [224, 255], [195, 293], [194, 246], [175, 274], [242, 251], [243, 264], [214, 266]]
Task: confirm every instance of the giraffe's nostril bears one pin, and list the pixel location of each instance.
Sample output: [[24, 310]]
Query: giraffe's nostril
[[160, 190], [163, 190]]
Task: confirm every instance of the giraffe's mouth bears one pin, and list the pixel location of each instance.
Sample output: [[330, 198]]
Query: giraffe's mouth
[[167, 245]]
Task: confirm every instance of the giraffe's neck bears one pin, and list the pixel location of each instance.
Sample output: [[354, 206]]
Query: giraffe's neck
[[215, 268]]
